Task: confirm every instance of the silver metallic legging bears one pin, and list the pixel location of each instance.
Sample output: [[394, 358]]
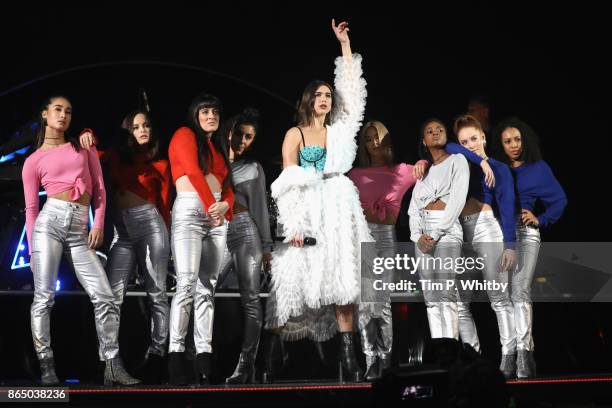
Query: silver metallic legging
[[245, 254], [141, 237], [483, 232], [441, 302], [60, 227], [528, 246], [375, 318], [198, 255]]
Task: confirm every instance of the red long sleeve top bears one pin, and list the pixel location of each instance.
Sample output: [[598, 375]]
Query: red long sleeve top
[[183, 154], [150, 180]]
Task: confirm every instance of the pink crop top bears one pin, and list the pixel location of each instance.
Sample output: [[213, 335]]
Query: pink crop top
[[381, 189], [61, 169]]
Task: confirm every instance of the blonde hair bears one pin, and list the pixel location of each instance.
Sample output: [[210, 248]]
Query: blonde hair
[[363, 157]]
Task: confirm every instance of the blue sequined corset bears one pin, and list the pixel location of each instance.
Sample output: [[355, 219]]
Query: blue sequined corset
[[313, 156]]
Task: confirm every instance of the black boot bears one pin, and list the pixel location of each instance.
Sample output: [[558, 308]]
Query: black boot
[[349, 369], [271, 348], [508, 365], [177, 368], [115, 373], [245, 370], [203, 365], [525, 364], [384, 364], [47, 371], [152, 370]]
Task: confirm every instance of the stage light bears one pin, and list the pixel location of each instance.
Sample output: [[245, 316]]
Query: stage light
[[58, 285], [21, 259]]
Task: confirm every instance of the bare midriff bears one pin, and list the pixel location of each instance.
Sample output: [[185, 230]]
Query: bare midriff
[[183, 184], [371, 216], [127, 199], [437, 205], [473, 206], [65, 196]]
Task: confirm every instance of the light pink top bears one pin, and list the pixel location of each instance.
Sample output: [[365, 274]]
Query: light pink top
[[60, 169], [381, 189]]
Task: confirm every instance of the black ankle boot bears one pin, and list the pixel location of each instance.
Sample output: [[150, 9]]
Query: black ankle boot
[[152, 370], [271, 351], [47, 371], [177, 374], [245, 370], [384, 364], [203, 365], [508, 365], [115, 373], [349, 369]]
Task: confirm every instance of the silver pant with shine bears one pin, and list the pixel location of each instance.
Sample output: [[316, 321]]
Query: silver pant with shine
[[141, 237], [375, 318], [484, 237], [61, 227], [528, 247], [245, 254], [198, 249], [441, 303]]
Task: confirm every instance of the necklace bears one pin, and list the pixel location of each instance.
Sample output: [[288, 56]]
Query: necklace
[[439, 159]]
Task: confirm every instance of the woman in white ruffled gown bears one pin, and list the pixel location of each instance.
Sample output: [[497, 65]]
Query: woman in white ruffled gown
[[315, 199]]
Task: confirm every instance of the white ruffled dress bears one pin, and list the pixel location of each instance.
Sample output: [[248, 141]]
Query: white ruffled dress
[[308, 281]]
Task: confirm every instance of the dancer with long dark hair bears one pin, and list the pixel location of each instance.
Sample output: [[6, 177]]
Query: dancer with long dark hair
[[72, 178], [202, 174], [142, 185]]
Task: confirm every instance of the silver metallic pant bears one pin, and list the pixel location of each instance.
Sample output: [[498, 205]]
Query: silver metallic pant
[[141, 237], [528, 246], [61, 227], [198, 256], [375, 318], [245, 254], [483, 232], [441, 301]]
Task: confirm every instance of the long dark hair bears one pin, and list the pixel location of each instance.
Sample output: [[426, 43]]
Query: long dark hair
[[529, 140], [305, 110], [40, 134], [218, 138], [424, 152], [128, 145], [248, 116]]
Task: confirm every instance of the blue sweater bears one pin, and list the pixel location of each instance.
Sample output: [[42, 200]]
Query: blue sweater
[[501, 197], [536, 181]]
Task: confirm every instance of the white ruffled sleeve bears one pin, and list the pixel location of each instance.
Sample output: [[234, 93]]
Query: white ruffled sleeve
[[297, 195], [351, 88]]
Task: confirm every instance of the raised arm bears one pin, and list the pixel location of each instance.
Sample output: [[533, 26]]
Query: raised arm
[[454, 148], [350, 86]]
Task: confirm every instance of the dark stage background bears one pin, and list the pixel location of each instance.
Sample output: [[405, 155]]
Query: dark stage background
[[547, 65]]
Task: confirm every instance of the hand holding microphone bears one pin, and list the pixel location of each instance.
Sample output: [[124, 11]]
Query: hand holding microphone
[[299, 240]]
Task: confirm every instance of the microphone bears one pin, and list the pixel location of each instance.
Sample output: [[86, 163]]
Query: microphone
[[307, 240]]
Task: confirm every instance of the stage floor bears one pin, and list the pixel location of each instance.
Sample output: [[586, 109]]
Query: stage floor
[[558, 391]]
